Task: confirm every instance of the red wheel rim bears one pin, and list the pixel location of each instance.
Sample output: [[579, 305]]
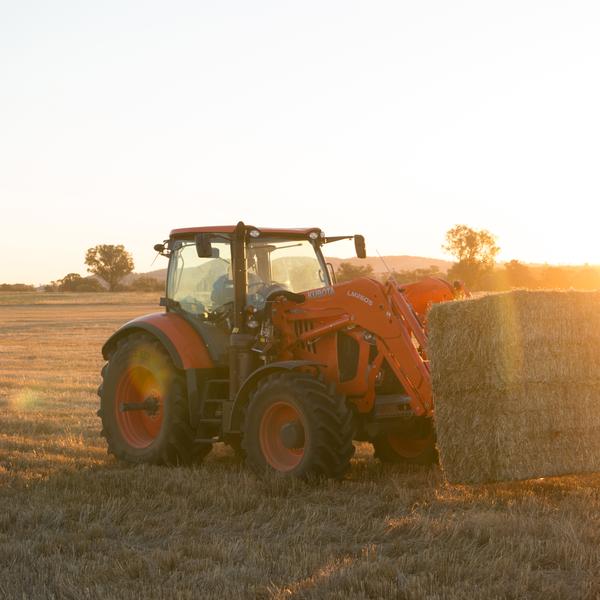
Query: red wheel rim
[[139, 428], [409, 448], [273, 449]]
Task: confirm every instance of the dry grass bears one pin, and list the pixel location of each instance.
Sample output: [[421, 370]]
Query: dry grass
[[63, 298], [75, 524]]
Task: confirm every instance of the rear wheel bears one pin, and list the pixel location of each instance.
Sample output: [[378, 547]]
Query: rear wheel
[[296, 428], [143, 405], [394, 448]]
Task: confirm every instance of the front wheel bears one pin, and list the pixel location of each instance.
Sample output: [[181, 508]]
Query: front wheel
[[143, 405], [295, 427]]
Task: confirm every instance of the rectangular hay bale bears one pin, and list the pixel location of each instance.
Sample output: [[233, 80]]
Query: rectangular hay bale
[[516, 383]]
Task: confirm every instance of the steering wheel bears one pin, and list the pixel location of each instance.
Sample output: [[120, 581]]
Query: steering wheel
[[274, 286], [268, 291], [221, 313]]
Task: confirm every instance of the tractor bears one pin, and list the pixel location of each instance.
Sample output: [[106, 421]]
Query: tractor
[[259, 347]]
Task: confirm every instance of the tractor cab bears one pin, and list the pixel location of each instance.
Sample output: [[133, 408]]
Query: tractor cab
[[223, 274]]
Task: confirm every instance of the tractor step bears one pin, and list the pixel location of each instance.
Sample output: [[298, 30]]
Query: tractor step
[[392, 414], [391, 406], [206, 440]]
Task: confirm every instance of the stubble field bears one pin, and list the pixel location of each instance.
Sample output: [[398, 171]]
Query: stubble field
[[74, 523]]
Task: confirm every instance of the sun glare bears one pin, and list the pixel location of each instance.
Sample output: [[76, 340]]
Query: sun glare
[[25, 399]]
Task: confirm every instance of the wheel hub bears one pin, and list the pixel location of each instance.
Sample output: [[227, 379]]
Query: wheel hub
[[292, 435], [151, 405], [282, 436], [138, 406]]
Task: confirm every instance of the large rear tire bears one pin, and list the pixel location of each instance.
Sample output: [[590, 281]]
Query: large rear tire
[[295, 427], [140, 372]]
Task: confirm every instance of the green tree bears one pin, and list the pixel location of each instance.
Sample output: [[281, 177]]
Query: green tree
[[347, 271], [475, 252], [109, 262], [16, 287], [518, 275], [74, 282]]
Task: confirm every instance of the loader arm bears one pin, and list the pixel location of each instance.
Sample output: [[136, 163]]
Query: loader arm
[[406, 353], [383, 323]]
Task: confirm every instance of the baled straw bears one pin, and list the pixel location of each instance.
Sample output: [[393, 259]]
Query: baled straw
[[516, 382]]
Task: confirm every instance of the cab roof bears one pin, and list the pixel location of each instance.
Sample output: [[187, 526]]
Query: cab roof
[[298, 232]]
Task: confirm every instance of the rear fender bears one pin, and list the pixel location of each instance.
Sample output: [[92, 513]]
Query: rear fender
[[184, 345], [243, 396]]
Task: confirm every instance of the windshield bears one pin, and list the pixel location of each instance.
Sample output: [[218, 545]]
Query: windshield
[[200, 284], [290, 264], [205, 285]]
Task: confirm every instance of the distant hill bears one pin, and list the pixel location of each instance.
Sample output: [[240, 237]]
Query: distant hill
[[160, 274], [395, 263]]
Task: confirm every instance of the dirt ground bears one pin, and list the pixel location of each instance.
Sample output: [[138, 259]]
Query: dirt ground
[[74, 523]]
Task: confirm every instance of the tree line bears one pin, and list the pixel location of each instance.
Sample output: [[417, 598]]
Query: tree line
[[109, 263], [475, 253]]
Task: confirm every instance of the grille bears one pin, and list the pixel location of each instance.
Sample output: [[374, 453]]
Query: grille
[[301, 327]]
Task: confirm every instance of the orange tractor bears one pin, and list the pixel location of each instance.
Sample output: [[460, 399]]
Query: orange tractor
[[260, 348]]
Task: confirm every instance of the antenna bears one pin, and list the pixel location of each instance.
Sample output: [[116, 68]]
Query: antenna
[[386, 266]]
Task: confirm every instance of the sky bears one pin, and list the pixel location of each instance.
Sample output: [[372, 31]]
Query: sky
[[121, 120]]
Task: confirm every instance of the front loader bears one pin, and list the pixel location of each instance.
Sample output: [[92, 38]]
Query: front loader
[[260, 348]]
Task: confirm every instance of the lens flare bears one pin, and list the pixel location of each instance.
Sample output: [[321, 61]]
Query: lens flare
[[25, 399]]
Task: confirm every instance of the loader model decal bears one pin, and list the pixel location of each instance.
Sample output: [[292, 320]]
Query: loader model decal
[[321, 292], [361, 297]]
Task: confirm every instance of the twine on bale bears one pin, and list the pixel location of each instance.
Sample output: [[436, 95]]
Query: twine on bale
[[516, 383]]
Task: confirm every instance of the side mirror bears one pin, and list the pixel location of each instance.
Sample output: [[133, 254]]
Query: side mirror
[[203, 246], [163, 249], [359, 245]]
